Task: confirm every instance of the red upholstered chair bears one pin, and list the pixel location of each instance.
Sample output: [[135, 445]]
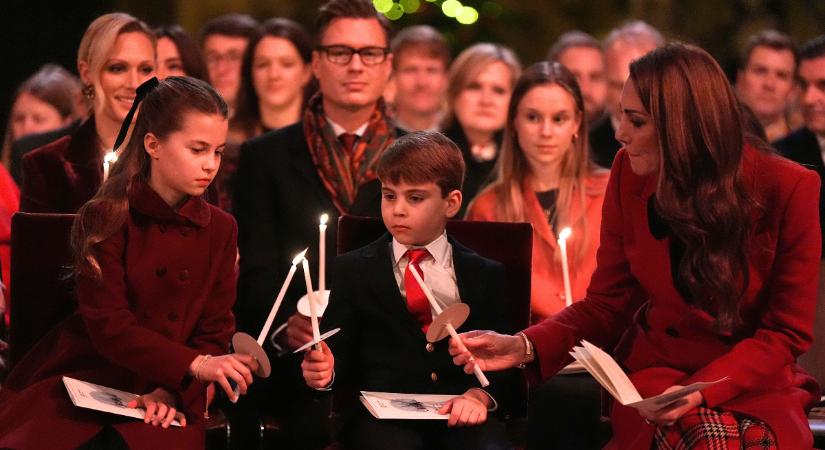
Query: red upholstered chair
[[43, 292], [511, 244]]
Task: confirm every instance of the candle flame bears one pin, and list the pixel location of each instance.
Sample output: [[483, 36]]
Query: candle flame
[[565, 233], [110, 157], [299, 257], [324, 219]]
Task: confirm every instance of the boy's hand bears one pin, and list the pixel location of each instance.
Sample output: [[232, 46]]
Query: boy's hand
[[467, 409], [298, 330], [318, 367]]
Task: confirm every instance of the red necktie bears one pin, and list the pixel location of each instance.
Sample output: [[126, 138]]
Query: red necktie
[[417, 302], [348, 141]]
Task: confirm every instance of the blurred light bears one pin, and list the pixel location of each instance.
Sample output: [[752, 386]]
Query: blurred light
[[451, 8], [382, 6], [491, 9], [410, 6], [432, 1], [467, 15], [395, 12]]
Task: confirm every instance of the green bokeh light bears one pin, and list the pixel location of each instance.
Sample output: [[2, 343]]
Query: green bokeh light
[[467, 15], [382, 6], [395, 12], [410, 6], [451, 8]]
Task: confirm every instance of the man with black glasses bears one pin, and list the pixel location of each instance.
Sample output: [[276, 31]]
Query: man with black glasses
[[289, 177]]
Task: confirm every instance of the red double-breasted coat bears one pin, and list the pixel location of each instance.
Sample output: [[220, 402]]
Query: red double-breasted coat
[[669, 341], [165, 297]]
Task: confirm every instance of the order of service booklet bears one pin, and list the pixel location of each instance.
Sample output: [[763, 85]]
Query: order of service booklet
[[102, 398], [391, 405], [611, 376]]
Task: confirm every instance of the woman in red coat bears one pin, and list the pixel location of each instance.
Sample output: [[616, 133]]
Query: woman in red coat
[[707, 269], [155, 271], [545, 177]]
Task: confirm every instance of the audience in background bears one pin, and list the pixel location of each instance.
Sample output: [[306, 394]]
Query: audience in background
[[765, 82], [481, 81], [178, 54], [223, 41], [582, 54]]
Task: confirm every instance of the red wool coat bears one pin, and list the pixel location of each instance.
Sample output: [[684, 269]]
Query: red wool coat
[[547, 285], [166, 296], [671, 342]]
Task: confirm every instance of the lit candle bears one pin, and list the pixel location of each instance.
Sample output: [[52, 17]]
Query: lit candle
[[281, 295], [565, 233], [108, 159], [450, 328], [322, 254], [313, 314]]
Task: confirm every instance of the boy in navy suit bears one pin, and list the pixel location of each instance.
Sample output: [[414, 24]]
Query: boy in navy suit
[[383, 313]]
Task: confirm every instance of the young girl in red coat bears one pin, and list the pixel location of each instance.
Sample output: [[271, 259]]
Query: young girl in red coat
[[155, 273]]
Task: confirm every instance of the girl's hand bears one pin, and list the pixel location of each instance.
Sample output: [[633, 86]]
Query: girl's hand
[[465, 410], [160, 408], [668, 415], [221, 369]]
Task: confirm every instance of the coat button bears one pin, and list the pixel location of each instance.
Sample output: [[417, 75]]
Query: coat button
[[430, 347], [160, 271], [183, 275], [672, 332], [434, 377], [162, 228], [172, 316]]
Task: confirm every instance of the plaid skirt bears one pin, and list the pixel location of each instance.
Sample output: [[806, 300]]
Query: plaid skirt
[[707, 429]]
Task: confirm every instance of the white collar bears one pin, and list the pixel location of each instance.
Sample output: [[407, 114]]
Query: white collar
[[438, 248], [339, 130]]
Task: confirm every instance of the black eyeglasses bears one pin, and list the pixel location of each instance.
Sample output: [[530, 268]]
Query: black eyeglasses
[[342, 54]]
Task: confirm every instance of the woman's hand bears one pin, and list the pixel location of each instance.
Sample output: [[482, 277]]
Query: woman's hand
[[160, 408], [221, 369], [466, 410], [318, 367], [489, 350], [668, 415]]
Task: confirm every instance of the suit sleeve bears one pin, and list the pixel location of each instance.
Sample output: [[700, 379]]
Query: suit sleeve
[[786, 325], [258, 239], [114, 330], [340, 313], [612, 297]]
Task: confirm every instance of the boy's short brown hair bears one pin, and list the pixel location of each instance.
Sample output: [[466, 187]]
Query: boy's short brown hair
[[423, 157]]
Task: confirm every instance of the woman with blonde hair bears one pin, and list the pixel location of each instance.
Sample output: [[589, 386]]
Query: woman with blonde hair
[[481, 80], [116, 54], [544, 177]]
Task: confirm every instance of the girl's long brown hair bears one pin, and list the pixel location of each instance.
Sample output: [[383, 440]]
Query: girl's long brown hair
[[161, 113], [512, 167], [700, 193]]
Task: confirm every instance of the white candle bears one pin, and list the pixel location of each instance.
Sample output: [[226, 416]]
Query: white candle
[[450, 329], [280, 298], [568, 296], [322, 254], [108, 159], [313, 314]]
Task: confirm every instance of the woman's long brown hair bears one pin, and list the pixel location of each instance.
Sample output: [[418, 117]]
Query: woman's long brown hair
[[161, 113], [700, 193]]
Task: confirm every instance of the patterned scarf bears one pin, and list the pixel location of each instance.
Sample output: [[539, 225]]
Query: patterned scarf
[[341, 172]]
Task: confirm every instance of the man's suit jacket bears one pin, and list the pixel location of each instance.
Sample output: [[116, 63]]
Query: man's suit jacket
[[603, 143], [381, 346], [670, 341], [278, 201], [803, 147]]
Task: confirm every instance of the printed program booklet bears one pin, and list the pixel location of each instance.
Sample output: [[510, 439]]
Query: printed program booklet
[[391, 405], [611, 376], [102, 398]]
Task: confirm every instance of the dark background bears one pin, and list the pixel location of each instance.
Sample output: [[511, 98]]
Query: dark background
[[36, 32]]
